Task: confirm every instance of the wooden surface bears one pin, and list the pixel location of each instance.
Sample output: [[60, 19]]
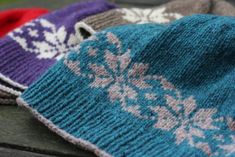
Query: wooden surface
[[20, 131], [5, 152], [21, 135]]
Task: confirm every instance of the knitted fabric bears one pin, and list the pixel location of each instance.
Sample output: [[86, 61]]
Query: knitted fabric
[[8, 93], [221, 7], [6, 98], [165, 13], [145, 90], [13, 18], [29, 51]]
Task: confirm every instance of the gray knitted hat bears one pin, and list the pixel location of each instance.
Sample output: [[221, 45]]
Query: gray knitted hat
[[222, 7], [6, 99], [165, 13]]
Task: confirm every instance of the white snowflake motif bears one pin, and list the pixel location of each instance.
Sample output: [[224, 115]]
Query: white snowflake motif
[[186, 121], [157, 15], [46, 42]]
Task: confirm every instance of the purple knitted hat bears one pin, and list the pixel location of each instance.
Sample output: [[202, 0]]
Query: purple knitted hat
[[27, 52]]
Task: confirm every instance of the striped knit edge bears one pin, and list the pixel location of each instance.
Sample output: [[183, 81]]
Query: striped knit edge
[[4, 94], [10, 101], [11, 82], [9, 90], [7, 98], [76, 141]]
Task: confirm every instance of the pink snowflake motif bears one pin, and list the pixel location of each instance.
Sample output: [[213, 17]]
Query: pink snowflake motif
[[229, 149], [186, 122], [121, 78], [225, 148], [231, 123]]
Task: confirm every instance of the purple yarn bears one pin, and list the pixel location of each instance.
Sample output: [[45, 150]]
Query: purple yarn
[[26, 53]]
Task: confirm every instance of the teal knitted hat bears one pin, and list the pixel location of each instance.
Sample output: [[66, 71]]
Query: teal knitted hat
[[145, 90]]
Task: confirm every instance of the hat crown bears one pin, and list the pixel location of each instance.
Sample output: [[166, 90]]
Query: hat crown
[[147, 85]]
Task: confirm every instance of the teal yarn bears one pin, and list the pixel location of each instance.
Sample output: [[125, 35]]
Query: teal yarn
[[145, 90]]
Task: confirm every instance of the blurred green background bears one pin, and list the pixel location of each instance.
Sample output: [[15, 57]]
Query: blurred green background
[[50, 4], [55, 4]]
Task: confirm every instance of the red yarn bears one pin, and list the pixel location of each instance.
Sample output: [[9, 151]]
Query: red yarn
[[13, 18]]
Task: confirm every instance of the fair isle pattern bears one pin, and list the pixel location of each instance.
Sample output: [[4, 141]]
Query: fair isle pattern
[[183, 125], [45, 39], [156, 15], [128, 85], [227, 148], [230, 148], [27, 52], [122, 82]]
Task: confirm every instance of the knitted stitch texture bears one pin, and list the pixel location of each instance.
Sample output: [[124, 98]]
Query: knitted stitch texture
[[13, 18], [6, 98], [27, 52], [145, 90], [221, 7], [165, 13], [9, 97]]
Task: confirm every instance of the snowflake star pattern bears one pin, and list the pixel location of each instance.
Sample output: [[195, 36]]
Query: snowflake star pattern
[[229, 148], [231, 123], [185, 120], [45, 40], [157, 15], [126, 82], [144, 96], [120, 81]]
